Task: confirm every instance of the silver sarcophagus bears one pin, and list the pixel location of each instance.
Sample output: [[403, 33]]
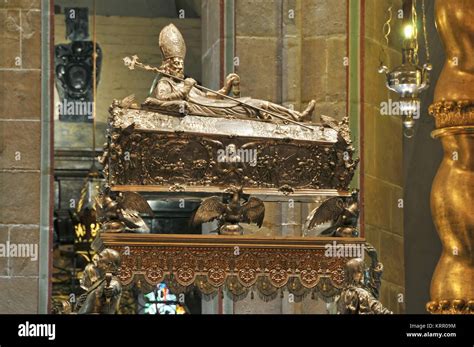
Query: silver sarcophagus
[[150, 150]]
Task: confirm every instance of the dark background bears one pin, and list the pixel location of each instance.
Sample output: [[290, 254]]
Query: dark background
[[422, 157]]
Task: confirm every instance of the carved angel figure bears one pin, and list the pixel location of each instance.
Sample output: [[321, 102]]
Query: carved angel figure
[[343, 213], [120, 212], [361, 287], [103, 290], [230, 214]]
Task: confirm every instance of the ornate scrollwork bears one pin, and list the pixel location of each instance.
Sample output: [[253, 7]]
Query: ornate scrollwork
[[267, 270], [456, 306], [450, 113], [247, 269], [139, 157]]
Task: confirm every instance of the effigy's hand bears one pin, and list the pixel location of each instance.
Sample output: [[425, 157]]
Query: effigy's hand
[[231, 80], [189, 83], [149, 101]]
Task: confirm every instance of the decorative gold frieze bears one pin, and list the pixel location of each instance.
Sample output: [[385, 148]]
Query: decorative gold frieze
[[239, 264]]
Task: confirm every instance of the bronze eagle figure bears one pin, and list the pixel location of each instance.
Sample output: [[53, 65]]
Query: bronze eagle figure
[[230, 214], [121, 211], [343, 213]]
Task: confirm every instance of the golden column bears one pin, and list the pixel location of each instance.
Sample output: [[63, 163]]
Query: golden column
[[452, 194]]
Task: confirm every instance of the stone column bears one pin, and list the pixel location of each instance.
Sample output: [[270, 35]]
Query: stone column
[[452, 194]]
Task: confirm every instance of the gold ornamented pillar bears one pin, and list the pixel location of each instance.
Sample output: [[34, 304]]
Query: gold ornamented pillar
[[452, 194]]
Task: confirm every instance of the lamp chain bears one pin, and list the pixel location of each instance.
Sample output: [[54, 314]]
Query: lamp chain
[[414, 21], [386, 29], [425, 33]]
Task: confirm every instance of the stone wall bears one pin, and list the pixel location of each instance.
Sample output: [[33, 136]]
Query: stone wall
[[20, 129], [289, 52], [383, 159], [211, 42], [323, 68]]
